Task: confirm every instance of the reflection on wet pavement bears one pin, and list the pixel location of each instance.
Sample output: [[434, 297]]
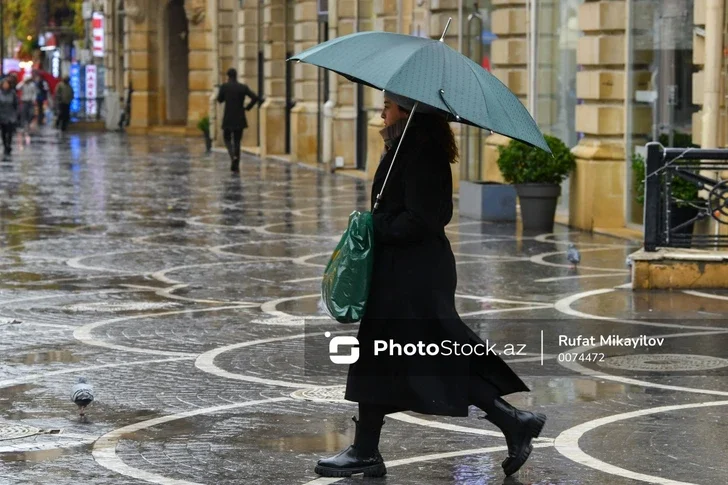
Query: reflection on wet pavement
[[189, 297]]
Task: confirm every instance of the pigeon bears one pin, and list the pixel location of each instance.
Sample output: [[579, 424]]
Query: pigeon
[[573, 255], [82, 394]]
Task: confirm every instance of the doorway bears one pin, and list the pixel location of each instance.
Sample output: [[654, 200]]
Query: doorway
[[177, 63]]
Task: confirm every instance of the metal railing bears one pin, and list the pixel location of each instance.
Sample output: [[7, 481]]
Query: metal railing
[[670, 215]]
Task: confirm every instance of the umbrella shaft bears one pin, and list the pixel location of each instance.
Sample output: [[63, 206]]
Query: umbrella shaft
[[409, 118]]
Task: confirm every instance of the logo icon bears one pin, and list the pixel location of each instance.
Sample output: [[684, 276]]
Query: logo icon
[[343, 341]]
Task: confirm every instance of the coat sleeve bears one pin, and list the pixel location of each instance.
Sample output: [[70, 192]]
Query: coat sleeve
[[221, 94], [253, 99], [425, 193]]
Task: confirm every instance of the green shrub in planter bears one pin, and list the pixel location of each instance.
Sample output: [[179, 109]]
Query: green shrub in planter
[[204, 124], [523, 164], [681, 189], [537, 177]]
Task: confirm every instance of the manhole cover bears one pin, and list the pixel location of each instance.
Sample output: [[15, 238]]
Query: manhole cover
[[664, 362], [118, 306], [321, 394], [15, 431]]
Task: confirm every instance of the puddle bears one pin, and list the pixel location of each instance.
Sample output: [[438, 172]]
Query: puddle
[[45, 357], [569, 390], [331, 441], [42, 455], [290, 433]]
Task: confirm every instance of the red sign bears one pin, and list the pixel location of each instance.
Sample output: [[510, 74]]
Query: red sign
[[97, 31]]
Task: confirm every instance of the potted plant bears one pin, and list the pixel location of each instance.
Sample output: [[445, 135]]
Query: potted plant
[[537, 177], [204, 126]]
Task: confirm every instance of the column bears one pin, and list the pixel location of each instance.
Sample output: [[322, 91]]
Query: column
[[509, 59], [384, 16], [247, 45], [597, 185], [141, 50], [304, 116], [226, 25], [345, 109], [272, 113], [203, 49], [110, 42], [698, 80]]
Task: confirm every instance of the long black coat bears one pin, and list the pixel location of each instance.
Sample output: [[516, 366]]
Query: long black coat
[[233, 94], [412, 297]]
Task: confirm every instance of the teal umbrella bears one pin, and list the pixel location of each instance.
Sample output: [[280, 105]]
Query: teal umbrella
[[431, 73]]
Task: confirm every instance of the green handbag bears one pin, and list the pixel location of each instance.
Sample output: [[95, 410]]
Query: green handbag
[[347, 278], [348, 275]]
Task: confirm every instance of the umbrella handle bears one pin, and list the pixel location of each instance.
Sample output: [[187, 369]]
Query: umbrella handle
[[452, 111], [379, 195]]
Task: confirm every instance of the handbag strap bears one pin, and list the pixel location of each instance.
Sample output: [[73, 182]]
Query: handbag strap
[[379, 195]]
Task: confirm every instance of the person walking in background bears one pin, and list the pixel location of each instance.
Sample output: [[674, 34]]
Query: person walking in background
[[8, 113], [27, 106], [42, 97], [64, 96], [234, 122]]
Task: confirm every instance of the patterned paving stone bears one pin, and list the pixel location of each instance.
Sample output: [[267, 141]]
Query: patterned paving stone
[[189, 298]]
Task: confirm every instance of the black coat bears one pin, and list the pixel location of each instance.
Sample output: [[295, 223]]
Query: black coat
[[412, 297], [233, 94]]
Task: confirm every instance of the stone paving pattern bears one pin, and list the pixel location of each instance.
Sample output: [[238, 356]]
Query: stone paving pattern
[[188, 297]]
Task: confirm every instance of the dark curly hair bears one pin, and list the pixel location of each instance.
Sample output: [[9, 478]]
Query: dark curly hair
[[434, 129]]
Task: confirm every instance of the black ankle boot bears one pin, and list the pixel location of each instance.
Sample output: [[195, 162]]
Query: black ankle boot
[[361, 457], [519, 428]]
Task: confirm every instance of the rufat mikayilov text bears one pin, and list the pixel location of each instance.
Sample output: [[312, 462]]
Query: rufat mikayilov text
[[613, 340]]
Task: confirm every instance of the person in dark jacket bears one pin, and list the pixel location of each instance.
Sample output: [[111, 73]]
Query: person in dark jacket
[[8, 114], [64, 97], [233, 94], [412, 299], [42, 97]]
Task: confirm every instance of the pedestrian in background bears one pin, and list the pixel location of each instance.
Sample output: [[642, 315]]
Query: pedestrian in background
[[64, 96], [42, 97], [234, 122], [412, 301], [29, 93], [8, 113]]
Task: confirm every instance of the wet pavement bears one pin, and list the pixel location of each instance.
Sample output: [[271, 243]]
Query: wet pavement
[[188, 297]]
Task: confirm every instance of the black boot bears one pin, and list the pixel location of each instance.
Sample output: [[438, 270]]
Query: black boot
[[519, 428], [235, 165], [361, 457]]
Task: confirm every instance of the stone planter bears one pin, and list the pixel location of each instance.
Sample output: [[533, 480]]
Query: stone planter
[[487, 201], [538, 205]]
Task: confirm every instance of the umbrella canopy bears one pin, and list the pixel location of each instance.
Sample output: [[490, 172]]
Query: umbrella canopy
[[429, 72]]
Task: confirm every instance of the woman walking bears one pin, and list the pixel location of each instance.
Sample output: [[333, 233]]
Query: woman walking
[[28, 97], [8, 114], [412, 300]]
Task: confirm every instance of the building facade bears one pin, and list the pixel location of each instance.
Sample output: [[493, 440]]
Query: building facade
[[604, 76]]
